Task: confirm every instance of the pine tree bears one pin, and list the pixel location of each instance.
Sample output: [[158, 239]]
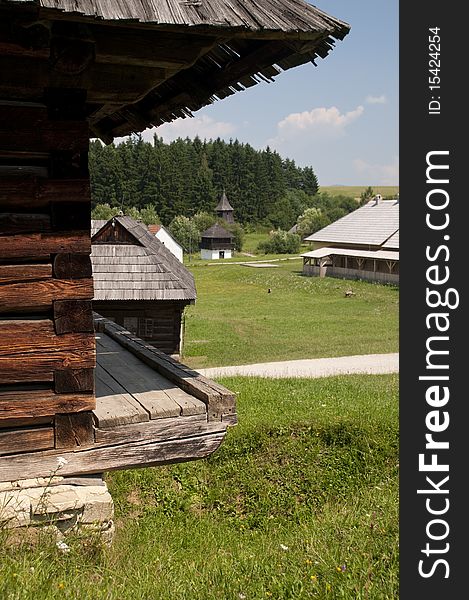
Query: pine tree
[[188, 176]]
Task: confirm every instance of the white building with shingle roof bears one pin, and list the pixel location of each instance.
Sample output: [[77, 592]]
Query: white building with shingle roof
[[362, 245]]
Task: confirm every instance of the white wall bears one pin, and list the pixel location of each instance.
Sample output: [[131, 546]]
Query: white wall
[[213, 254], [170, 243]]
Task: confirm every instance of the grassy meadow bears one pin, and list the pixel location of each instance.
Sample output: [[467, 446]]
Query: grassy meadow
[[236, 321], [301, 499], [354, 191], [299, 502]]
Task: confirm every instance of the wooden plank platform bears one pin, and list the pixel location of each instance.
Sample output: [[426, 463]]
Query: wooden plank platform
[[129, 391], [150, 410], [220, 402]]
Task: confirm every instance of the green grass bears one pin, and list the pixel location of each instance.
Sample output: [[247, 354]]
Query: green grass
[[236, 321], [252, 240], [354, 191], [300, 501]]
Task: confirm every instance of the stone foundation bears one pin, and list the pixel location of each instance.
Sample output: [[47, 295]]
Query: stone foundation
[[63, 505]]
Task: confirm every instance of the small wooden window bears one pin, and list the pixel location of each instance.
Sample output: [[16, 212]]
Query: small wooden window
[[147, 327]]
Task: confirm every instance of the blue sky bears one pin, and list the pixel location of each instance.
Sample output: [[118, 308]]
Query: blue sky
[[340, 117]]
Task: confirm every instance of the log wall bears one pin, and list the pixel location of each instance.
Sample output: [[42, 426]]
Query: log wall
[[47, 346], [158, 322]]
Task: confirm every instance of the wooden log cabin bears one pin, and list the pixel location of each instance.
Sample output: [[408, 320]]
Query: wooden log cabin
[[71, 70], [139, 283]]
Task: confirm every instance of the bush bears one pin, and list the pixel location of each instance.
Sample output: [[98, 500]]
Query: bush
[[104, 211], [203, 220], [280, 242], [312, 220], [185, 232], [237, 231]]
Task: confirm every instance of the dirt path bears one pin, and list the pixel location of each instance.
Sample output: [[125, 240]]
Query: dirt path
[[313, 367], [250, 262]]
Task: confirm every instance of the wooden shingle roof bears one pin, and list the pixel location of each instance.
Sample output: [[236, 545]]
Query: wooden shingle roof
[[392, 242], [141, 268], [96, 225], [255, 15], [217, 232], [370, 225], [143, 63], [224, 203]]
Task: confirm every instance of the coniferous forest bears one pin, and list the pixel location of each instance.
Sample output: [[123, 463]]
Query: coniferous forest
[[187, 176]]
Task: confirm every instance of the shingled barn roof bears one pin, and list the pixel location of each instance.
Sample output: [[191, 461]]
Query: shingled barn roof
[[370, 225], [138, 268], [147, 62]]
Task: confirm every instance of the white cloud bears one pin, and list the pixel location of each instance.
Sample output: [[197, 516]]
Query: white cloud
[[205, 127], [319, 123], [376, 99], [318, 118], [379, 174]]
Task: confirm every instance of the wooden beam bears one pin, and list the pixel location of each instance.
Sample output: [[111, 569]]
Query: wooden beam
[[117, 45], [43, 136], [27, 79], [14, 441], [19, 170], [25, 114], [14, 274], [31, 192], [15, 223], [121, 46], [27, 422], [41, 295], [98, 460], [28, 375], [30, 350], [160, 430], [42, 403], [65, 102], [230, 419], [42, 245], [69, 164]]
